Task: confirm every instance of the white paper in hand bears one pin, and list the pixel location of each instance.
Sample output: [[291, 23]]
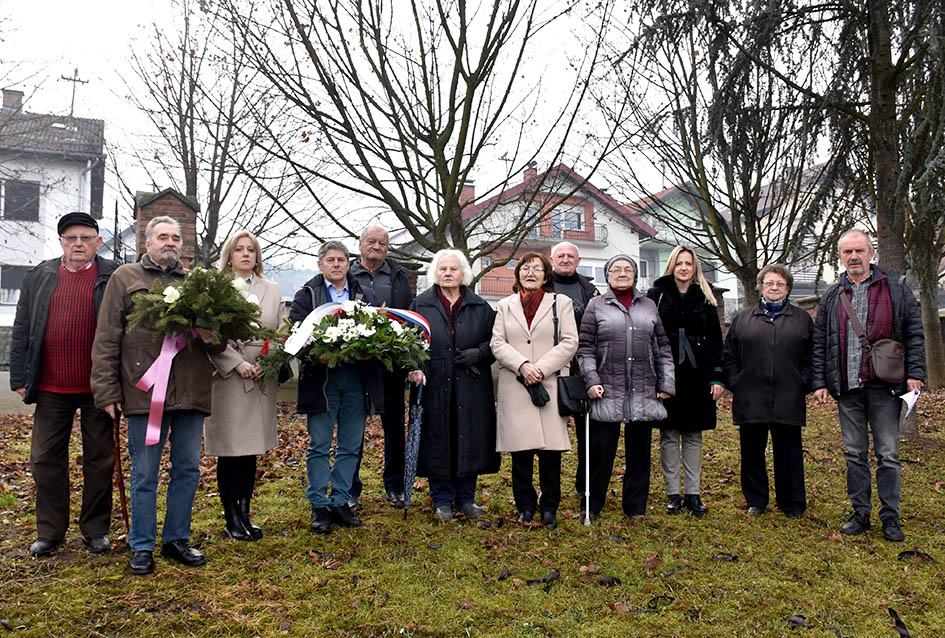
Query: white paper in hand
[[910, 398]]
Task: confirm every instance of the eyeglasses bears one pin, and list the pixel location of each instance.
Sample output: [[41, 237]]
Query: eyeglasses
[[83, 238], [621, 271], [774, 284], [534, 269]]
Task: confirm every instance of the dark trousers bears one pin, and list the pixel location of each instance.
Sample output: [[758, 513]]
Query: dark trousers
[[788, 454], [453, 491], [549, 480], [579, 421], [49, 460], [636, 477], [392, 421], [236, 477]]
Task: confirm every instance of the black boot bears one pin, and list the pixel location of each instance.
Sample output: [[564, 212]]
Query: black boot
[[674, 504], [243, 513], [234, 526], [693, 503]]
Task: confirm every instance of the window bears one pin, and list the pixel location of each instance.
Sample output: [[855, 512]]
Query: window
[[11, 280], [486, 261], [644, 268], [20, 201], [512, 264], [587, 271], [599, 275]]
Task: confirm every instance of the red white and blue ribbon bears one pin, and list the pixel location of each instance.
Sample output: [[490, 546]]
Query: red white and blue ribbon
[[409, 316], [298, 338], [157, 376]]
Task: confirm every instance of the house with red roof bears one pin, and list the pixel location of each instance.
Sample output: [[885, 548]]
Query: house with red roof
[[560, 205]]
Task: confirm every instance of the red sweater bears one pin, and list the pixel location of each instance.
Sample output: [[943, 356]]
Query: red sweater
[[67, 345]]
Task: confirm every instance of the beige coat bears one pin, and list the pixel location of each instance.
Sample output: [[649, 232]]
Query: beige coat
[[244, 416], [521, 424]]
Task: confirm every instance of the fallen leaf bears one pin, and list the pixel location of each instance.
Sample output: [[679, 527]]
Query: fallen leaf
[[797, 620], [434, 546], [834, 537], [939, 485], [506, 572], [353, 604], [590, 569], [652, 562], [900, 626], [915, 556], [464, 604], [620, 608], [333, 564], [546, 579], [285, 625], [725, 557], [609, 581]]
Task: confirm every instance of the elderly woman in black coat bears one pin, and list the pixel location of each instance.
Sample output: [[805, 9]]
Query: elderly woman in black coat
[[689, 313], [457, 439], [768, 364]]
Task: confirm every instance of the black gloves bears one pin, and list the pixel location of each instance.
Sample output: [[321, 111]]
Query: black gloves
[[466, 358]]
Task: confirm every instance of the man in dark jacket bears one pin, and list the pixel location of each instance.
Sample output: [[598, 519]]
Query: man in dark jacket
[[119, 359], [887, 309], [50, 365], [568, 281], [387, 279], [345, 394]]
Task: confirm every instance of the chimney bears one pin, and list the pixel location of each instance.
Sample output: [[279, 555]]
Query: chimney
[[468, 193], [12, 100], [531, 172]]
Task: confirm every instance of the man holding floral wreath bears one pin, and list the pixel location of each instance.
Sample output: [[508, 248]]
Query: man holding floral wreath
[[50, 361], [345, 394], [120, 358]]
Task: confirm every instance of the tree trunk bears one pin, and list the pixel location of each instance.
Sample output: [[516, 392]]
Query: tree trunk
[[884, 140], [931, 326]]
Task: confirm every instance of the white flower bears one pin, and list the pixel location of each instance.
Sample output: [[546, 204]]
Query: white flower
[[253, 299], [345, 324], [365, 331], [240, 284], [349, 306], [396, 327], [171, 294], [331, 334], [254, 325]]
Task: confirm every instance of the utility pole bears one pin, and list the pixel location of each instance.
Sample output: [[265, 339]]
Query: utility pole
[[75, 80], [116, 239]]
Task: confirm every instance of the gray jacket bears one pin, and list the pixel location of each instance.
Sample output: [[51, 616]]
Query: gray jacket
[[626, 352]]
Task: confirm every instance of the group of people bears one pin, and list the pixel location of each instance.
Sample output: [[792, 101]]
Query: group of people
[[648, 361]]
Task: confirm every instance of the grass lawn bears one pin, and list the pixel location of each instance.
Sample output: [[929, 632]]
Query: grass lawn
[[729, 574]]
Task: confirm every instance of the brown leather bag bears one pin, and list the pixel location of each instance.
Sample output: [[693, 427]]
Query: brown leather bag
[[886, 356]]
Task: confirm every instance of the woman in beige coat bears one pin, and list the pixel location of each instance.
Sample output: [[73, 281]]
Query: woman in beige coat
[[525, 345], [243, 423]]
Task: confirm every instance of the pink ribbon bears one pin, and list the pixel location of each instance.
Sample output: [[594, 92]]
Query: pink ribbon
[[158, 376]]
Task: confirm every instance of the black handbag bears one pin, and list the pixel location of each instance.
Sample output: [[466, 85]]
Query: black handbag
[[572, 395], [886, 356]]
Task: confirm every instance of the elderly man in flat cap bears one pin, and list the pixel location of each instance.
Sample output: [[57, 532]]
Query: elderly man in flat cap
[[50, 365]]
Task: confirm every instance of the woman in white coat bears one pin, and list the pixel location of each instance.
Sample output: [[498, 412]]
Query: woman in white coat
[[243, 423], [534, 338]]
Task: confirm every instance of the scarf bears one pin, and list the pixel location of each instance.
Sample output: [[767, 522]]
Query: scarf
[[530, 303]]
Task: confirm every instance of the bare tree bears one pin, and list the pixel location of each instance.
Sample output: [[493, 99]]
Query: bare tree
[[402, 103], [726, 132], [203, 101]]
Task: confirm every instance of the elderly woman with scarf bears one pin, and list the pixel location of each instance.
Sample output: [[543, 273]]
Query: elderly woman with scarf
[[768, 364], [457, 438], [628, 370], [534, 338], [689, 313]]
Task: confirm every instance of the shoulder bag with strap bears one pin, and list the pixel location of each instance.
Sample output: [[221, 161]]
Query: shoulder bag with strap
[[572, 395], [886, 356]]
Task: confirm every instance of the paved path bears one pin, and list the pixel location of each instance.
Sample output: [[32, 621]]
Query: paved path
[[10, 401]]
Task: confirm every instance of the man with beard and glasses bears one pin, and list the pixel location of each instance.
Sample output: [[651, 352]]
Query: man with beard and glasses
[[119, 358]]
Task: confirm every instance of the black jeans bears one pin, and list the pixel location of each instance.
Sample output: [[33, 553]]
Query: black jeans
[[49, 460], [392, 420], [549, 480], [236, 477], [636, 477], [788, 454]]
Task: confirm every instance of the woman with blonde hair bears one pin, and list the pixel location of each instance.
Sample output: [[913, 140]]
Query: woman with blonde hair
[[243, 422], [689, 313]]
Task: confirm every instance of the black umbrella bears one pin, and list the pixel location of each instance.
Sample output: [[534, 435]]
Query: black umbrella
[[537, 392], [412, 446]]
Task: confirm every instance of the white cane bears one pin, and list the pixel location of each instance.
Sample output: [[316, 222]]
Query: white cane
[[587, 469]]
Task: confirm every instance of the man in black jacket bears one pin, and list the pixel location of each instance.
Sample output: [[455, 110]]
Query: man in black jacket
[[568, 281], [345, 394], [50, 365], [383, 276], [886, 308]]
